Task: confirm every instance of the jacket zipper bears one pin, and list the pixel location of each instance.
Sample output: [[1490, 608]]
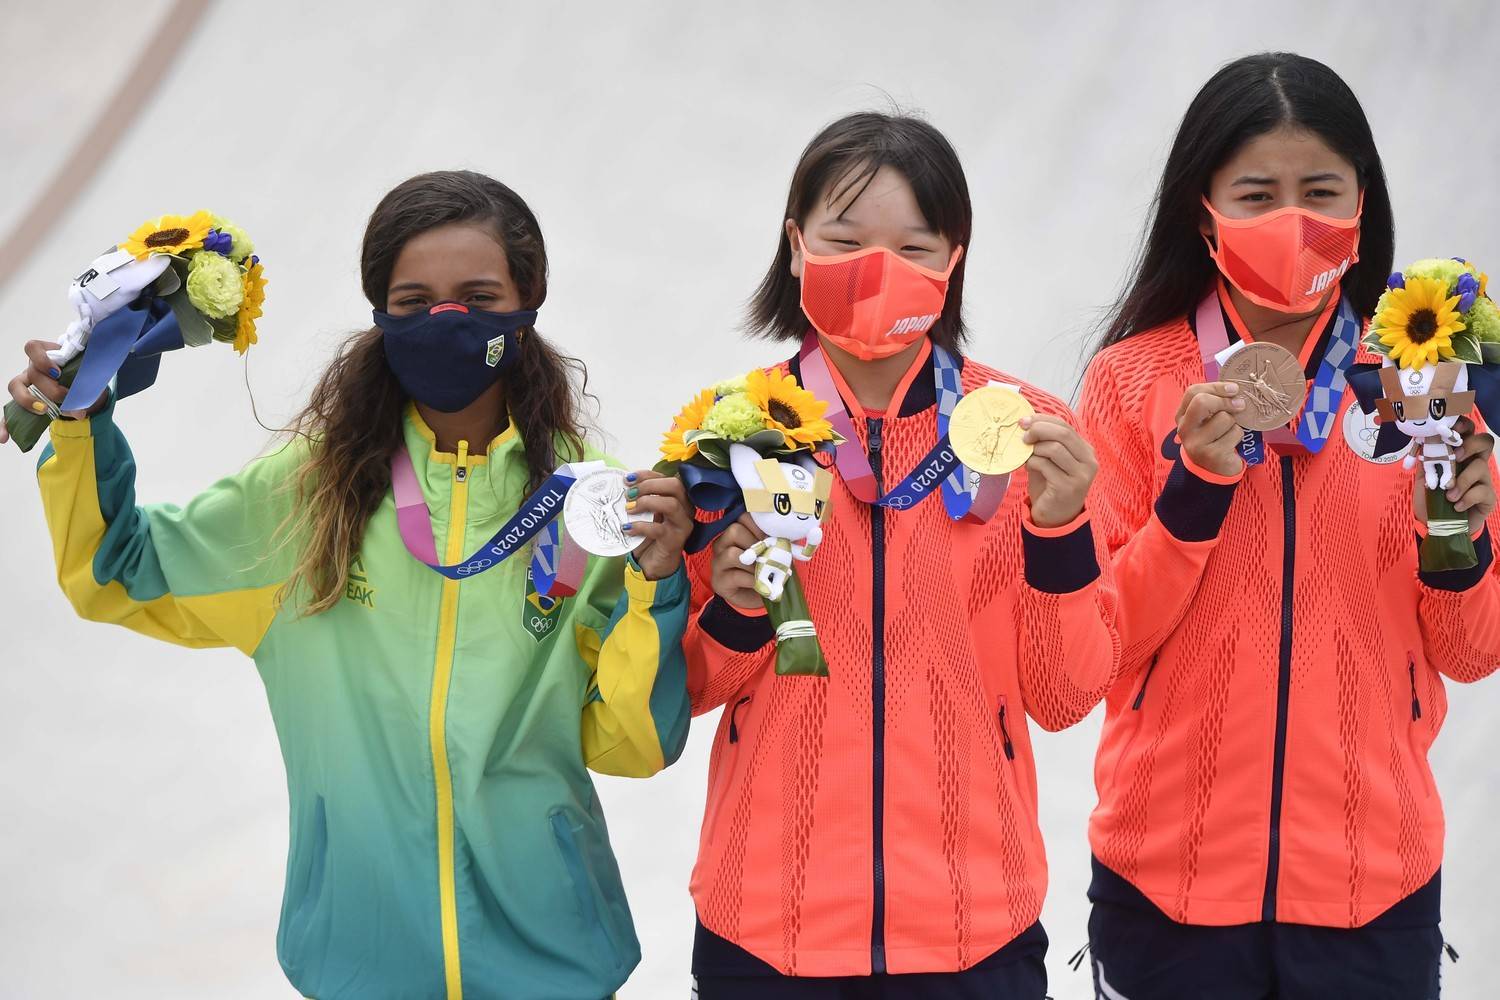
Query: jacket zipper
[[877, 695], [1140, 696], [1416, 702], [1010, 748], [1283, 683], [437, 728], [734, 730]]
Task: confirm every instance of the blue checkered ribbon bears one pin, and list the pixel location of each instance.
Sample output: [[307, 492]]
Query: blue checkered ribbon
[[1322, 410]]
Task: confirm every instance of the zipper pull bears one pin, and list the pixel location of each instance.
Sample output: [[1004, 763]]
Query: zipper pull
[[1140, 696], [873, 426], [461, 472], [734, 730], [1452, 952], [1416, 703], [1010, 749]]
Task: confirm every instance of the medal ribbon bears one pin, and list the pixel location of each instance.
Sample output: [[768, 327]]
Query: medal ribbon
[[1320, 412], [967, 496], [556, 567]]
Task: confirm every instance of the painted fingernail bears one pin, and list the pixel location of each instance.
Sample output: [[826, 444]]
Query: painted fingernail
[[630, 477], [627, 526], [39, 407], [630, 505], [632, 493], [54, 372]]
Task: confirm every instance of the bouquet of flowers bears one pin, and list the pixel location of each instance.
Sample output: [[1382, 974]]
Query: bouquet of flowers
[[1439, 334], [177, 281], [748, 444]]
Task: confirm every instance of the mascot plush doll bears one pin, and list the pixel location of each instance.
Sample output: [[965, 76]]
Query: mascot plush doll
[[1439, 337], [746, 446], [787, 501]]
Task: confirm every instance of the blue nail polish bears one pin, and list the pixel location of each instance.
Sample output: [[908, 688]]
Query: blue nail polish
[[55, 373], [626, 526], [630, 478]]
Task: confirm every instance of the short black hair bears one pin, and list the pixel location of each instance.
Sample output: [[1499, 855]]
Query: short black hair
[[845, 157]]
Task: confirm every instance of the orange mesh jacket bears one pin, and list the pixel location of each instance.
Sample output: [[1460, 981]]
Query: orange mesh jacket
[[1264, 754], [884, 819]]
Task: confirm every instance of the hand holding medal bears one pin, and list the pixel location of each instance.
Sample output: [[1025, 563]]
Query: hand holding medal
[[1208, 427], [995, 431], [1059, 472], [657, 521]]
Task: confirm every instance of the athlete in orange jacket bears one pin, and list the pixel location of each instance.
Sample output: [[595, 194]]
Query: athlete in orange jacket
[[883, 820], [1263, 767]]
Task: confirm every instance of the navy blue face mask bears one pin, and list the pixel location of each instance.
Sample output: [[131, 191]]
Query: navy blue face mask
[[447, 356]]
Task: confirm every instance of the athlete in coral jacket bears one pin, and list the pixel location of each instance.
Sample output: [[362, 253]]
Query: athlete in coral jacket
[[1267, 822], [874, 833]]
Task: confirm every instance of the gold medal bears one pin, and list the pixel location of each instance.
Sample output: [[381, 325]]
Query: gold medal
[[986, 433]]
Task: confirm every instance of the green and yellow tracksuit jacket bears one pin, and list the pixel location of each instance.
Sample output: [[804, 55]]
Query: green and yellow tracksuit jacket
[[446, 840]]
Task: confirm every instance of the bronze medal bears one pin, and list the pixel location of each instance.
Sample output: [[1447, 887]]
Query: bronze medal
[[1271, 383]]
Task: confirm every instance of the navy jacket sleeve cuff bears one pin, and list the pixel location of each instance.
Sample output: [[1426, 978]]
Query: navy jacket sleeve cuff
[[1192, 508], [1060, 564], [732, 630], [1459, 580]]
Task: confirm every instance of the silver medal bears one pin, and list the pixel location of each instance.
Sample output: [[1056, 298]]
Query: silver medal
[[594, 514]]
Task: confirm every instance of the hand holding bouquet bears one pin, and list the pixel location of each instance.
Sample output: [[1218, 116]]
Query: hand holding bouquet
[[1439, 335], [748, 445], [178, 281]]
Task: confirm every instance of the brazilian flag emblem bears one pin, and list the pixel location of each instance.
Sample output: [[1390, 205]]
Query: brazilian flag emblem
[[539, 613]]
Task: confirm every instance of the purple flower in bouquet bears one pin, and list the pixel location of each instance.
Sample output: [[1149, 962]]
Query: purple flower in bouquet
[[219, 242], [1467, 290]]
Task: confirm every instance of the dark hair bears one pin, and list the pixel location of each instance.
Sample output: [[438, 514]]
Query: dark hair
[[355, 416], [1247, 98], [844, 158]]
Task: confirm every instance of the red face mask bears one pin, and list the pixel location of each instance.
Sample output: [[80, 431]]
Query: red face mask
[[872, 303], [1288, 259]]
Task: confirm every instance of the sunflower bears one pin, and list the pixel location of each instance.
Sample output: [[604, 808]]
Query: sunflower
[[789, 408], [1418, 323], [171, 234], [255, 297], [673, 447]]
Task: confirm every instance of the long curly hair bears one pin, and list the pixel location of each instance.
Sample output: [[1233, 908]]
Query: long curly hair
[[353, 422]]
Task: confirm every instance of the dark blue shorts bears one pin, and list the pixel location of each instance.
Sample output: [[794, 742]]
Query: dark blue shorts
[[1139, 953], [725, 971]]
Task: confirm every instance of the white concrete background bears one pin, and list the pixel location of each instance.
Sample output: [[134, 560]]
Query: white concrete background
[[142, 804]]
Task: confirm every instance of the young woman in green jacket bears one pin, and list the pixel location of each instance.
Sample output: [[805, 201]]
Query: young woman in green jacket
[[446, 840]]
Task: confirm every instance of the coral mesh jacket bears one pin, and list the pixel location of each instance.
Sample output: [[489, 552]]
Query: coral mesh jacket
[[884, 818], [1264, 754]]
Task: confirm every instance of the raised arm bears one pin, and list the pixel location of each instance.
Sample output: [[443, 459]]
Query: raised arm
[[206, 574], [1157, 543]]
